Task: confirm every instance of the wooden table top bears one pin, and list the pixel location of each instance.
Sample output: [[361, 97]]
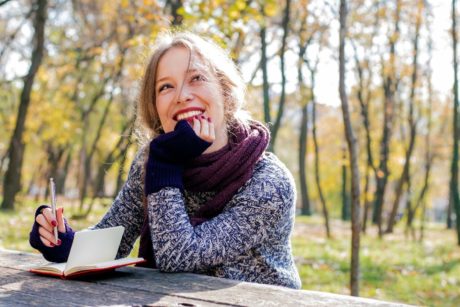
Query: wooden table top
[[132, 286]]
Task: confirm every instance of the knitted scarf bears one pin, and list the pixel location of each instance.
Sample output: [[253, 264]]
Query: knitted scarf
[[223, 172]]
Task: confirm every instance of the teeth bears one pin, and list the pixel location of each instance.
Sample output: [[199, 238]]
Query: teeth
[[188, 114]]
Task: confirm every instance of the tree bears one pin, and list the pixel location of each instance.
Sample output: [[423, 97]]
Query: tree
[[312, 69], [390, 85], [12, 181], [345, 187], [303, 135], [454, 197], [412, 122], [353, 156], [365, 95], [282, 100]]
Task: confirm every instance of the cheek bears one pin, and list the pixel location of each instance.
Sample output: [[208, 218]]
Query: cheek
[[162, 110]]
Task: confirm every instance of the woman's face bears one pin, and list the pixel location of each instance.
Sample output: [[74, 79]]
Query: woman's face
[[185, 88]]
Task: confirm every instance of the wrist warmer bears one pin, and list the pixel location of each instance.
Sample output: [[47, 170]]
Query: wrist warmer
[[168, 153], [53, 254]]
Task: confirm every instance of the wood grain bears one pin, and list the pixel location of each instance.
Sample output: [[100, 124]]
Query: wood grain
[[132, 286]]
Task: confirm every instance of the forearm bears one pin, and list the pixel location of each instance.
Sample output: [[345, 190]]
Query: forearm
[[179, 246]]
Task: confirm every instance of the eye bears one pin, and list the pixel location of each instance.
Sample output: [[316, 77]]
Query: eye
[[164, 86], [198, 77]]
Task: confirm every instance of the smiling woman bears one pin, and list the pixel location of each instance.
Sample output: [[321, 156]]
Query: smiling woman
[[204, 196]]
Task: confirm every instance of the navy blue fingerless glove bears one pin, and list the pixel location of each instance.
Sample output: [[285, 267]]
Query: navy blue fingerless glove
[[59, 253], [168, 154]]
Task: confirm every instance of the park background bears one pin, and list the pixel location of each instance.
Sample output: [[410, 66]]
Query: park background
[[69, 79]]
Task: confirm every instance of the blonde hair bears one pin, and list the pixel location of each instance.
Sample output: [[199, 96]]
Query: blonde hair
[[215, 59]]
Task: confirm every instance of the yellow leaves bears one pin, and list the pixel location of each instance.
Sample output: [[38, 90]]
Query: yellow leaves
[[240, 4], [270, 9], [181, 11], [51, 116], [124, 4], [233, 12]]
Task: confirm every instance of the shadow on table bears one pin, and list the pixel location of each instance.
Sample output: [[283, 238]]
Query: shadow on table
[[142, 287]]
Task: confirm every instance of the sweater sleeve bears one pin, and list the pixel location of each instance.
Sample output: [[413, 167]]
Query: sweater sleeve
[[127, 209], [261, 207]]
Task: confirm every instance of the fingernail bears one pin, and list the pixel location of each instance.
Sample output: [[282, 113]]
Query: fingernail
[[209, 119], [54, 223], [59, 242], [52, 244], [202, 116]]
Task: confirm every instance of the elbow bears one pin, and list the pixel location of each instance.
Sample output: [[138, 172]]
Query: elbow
[[170, 264]]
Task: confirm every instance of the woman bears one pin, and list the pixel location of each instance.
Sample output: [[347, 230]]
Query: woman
[[205, 195]]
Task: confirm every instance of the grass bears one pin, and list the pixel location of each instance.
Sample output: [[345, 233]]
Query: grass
[[393, 269]]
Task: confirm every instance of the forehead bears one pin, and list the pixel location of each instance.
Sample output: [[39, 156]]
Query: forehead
[[179, 60]]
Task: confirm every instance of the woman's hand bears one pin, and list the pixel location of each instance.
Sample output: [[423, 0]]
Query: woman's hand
[[42, 237], [47, 224], [169, 153], [204, 128], [184, 143]]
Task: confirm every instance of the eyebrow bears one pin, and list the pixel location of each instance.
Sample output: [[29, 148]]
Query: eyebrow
[[191, 70]]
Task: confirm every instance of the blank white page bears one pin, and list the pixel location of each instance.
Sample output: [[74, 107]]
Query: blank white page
[[94, 246]]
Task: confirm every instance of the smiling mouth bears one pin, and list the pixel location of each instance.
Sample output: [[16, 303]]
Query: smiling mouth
[[188, 114]]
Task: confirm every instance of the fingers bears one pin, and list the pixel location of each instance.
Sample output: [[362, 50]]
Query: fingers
[[46, 242], [48, 237], [41, 220], [204, 128], [197, 126], [60, 219], [47, 223], [49, 217]]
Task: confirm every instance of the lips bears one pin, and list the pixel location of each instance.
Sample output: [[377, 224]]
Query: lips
[[187, 113]]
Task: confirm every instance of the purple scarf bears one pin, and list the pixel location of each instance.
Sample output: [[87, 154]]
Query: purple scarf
[[223, 172]]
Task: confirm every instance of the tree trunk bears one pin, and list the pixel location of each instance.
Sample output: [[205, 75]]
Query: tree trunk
[[264, 64], [389, 88], [367, 203], [454, 197], [12, 180], [353, 155], [61, 175], [177, 18], [317, 162], [88, 159], [412, 123], [279, 114], [303, 140], [345, 194], [306, 207]]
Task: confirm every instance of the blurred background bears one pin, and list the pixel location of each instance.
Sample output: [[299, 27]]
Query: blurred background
[[69, 80]]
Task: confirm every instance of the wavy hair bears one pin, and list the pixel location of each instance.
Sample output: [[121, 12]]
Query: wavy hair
[[216, 59]]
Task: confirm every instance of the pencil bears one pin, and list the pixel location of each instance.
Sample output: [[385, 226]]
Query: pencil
[[53, 206]]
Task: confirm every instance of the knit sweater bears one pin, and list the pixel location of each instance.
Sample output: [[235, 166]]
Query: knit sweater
[[248, 241]]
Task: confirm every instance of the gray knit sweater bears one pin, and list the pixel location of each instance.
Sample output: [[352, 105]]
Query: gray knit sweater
[[248, 241]]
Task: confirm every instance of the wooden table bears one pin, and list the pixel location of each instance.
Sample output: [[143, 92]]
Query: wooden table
[[132, 286]]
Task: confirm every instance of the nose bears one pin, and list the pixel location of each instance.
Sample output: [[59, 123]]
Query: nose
[[185, 95]]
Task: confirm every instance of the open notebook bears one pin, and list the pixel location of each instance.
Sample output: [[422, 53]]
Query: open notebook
[[92, 251]]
